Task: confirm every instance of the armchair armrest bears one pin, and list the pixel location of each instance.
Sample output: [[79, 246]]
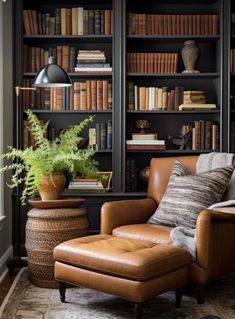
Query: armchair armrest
[[215, 240], [124, 212]]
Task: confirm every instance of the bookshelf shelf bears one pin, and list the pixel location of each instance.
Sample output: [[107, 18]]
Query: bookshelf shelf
[[72, 112], [64, 38], [173, 38], [173, 112], [75, 75], [210, 75], [167, 152]]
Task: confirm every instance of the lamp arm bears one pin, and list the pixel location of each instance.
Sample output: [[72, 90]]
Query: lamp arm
[[23, 88]]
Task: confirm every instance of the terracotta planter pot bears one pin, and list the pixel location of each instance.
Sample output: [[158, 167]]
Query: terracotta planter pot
[[52, 187]]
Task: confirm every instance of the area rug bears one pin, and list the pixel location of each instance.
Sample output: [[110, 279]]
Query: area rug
[[26, 301]]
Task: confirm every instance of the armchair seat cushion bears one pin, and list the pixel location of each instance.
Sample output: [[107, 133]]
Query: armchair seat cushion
[[137, 260], [157, 234]]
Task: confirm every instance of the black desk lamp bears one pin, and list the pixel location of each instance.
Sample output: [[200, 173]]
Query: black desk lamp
[[51, 76]]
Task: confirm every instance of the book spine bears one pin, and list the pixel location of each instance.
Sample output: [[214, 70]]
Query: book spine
[[109, 134], [103, 136], [98, 135]]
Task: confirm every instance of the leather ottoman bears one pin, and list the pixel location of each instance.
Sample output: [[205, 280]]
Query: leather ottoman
[[129, 268]]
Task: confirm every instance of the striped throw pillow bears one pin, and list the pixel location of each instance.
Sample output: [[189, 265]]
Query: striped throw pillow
[[187, 195]]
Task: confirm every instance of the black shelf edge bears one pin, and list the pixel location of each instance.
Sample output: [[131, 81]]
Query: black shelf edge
[[174, 38], [72, 111], [103, 151], [178, 152], [217, 111], [73, 74], [69, 37], [176, 75]]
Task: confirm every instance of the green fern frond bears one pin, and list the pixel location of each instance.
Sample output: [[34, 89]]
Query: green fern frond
[[29, 165]]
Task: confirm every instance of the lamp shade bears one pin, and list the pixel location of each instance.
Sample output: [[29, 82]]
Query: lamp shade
[[52, 75]]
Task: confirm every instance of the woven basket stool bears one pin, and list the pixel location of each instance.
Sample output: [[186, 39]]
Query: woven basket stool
[[45, 229]]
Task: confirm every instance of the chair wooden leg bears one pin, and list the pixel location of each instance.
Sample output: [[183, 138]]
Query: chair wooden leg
[[138, 310], [62, 289], [178, 297], [200, 290]]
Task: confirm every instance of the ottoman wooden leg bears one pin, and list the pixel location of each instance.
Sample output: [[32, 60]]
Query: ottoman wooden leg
[[138, 310], [200, 293], [178, 297], [62, 289]]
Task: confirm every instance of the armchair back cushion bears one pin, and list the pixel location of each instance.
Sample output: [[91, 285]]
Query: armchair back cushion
[[160, 172]]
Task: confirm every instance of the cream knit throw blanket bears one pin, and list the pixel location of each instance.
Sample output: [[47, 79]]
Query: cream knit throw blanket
[[186, 237]]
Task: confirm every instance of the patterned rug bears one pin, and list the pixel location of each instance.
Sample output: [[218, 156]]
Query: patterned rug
[[25, 301]]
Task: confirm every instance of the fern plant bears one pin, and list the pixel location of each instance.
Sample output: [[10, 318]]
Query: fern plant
[[62, 154]]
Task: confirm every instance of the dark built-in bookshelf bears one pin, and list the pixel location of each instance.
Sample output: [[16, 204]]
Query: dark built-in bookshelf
[[142, 43], [231, 77]]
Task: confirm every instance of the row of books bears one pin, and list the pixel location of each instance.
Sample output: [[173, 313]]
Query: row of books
[[232, 61], [154, 98], [37, 57], [131, 175], [152, 62], [100, 136], [205, 135], [68, 21], [232, 96], [82, 95], [233, 135], [173, 24], [163, 98], [68, 57], [233, 24], [92, 95]]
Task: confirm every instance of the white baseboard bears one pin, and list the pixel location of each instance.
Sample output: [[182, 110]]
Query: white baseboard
[[3, 262]]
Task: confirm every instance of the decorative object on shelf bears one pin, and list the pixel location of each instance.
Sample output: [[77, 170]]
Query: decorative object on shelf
[[142, 125], [190, 54], [144, 175], [184, 141], [106, 179], [61, 154]]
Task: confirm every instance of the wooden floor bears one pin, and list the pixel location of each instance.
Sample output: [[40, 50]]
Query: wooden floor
[[6, 284]]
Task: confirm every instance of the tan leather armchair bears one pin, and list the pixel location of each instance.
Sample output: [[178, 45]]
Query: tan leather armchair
[[215, 230]]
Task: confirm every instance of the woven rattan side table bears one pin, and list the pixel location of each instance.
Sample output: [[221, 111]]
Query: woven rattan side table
[[50, 223]]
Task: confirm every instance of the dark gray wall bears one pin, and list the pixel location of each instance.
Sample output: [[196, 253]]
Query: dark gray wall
[[5, 226]]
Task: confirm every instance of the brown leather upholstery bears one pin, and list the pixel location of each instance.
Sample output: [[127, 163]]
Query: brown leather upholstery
[[130, 268], [160, 171], [145, 232], [122, 257], [136, 260], [215, 230]]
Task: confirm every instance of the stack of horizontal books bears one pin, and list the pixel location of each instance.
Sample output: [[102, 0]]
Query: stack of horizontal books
[[86, 185], [146, 141], [92, 61], [195, 100]]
